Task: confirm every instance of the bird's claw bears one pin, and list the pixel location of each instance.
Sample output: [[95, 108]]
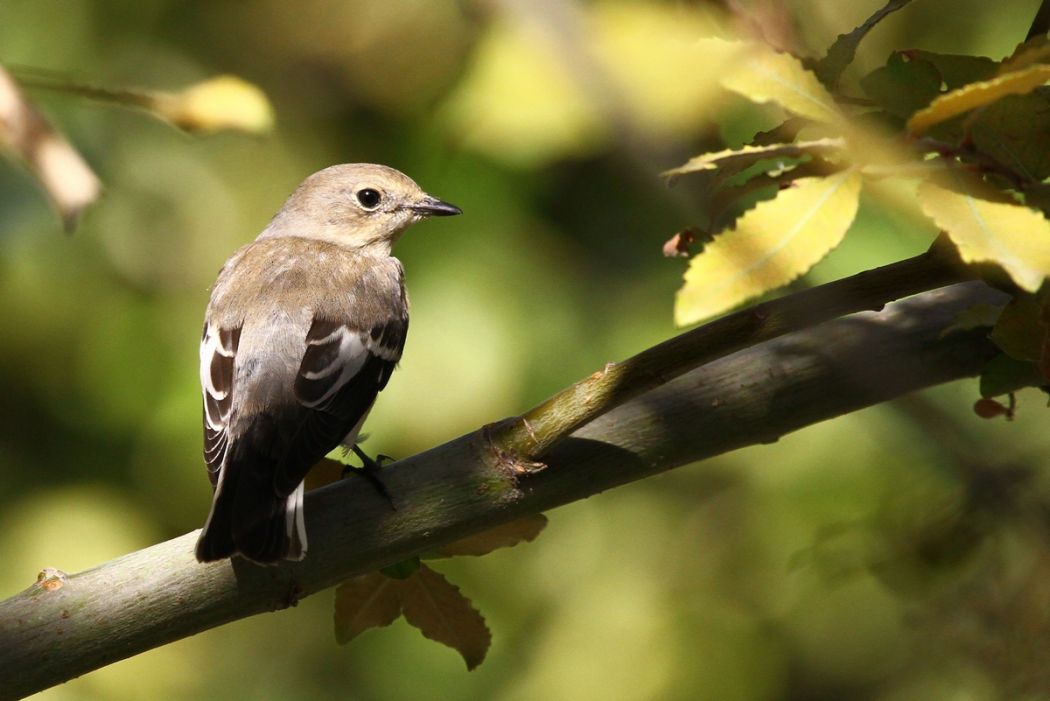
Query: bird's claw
[[370, 471]]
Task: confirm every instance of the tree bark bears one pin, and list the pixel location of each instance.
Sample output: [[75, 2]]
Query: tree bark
[[64, 626]]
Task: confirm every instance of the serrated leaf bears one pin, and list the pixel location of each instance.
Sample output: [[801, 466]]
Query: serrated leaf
[[506, 535], [841, 52], [1009, 235], [772, 244], [767, 76], [976, 95], [752, 154], [437, 608], [1004, 374], [1016, 132], [369, 601], [1021, 330], [958, 69], [66, 178]]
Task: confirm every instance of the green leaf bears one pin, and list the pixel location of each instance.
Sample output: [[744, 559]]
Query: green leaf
[[841, 52], [986, 231], [1021, 330], [958, 69], [1004, 374], [905, 84], [772, 244], [1016, 132]]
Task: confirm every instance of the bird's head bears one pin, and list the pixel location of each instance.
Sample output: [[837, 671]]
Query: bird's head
[[361, 205]]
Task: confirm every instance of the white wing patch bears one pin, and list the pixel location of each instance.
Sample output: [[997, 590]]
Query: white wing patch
[[334, 354], [217, 351]]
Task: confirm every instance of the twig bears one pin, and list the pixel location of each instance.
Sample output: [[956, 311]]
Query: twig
[[1041, 21]]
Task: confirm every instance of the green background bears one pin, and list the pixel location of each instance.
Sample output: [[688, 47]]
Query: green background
[[846, 561]]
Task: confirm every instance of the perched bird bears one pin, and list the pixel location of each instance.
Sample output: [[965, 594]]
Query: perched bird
[[303, 329]]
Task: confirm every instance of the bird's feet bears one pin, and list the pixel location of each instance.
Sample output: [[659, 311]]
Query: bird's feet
[[370, 471]]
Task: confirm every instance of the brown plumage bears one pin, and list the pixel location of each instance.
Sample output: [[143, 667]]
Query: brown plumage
[[304, 327]]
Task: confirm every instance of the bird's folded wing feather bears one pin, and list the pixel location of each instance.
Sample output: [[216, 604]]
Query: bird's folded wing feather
[[217, 352], [342, 371]]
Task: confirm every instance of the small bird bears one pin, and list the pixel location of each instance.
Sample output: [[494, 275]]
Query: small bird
[[303, 329]]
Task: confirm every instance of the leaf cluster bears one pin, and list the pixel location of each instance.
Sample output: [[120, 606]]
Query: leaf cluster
[[967, 136]]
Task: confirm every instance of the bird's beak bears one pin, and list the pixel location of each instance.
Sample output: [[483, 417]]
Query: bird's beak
[[433, 207]]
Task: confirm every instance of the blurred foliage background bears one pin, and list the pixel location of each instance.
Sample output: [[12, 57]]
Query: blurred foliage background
[[899, 553]]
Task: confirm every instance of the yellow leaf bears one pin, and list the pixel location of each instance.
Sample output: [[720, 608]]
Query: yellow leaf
[[978, 94], [751, 154], [506, 535], [222, 103], [1010, 235], [67, 179], [437, 608], [767, 76], [772, 244], [368, 601]]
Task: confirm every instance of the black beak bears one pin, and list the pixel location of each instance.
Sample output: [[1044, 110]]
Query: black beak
[[433, 207]]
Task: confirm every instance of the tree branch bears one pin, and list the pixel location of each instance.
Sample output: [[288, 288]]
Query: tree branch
[[1041, 21], [68, 625], [531, 435]]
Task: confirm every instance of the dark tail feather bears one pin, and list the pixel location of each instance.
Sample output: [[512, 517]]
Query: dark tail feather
[[249, 518], [216, 538]]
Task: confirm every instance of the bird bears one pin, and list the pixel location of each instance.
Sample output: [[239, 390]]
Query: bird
[[303, 329]]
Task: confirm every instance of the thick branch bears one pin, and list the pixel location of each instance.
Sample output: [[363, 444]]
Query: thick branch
[[532, 434], [49, 634]]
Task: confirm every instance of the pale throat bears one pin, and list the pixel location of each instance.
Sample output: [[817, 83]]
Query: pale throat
[[378, 242]]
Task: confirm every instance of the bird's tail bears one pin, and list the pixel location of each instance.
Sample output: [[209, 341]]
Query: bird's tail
[[248, 516]]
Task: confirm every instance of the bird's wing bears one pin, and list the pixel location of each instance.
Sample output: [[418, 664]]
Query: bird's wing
[[217, 351], [342, 371], [336, 354]]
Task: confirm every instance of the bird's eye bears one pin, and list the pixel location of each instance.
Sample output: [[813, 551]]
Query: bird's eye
[[369, 198]]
